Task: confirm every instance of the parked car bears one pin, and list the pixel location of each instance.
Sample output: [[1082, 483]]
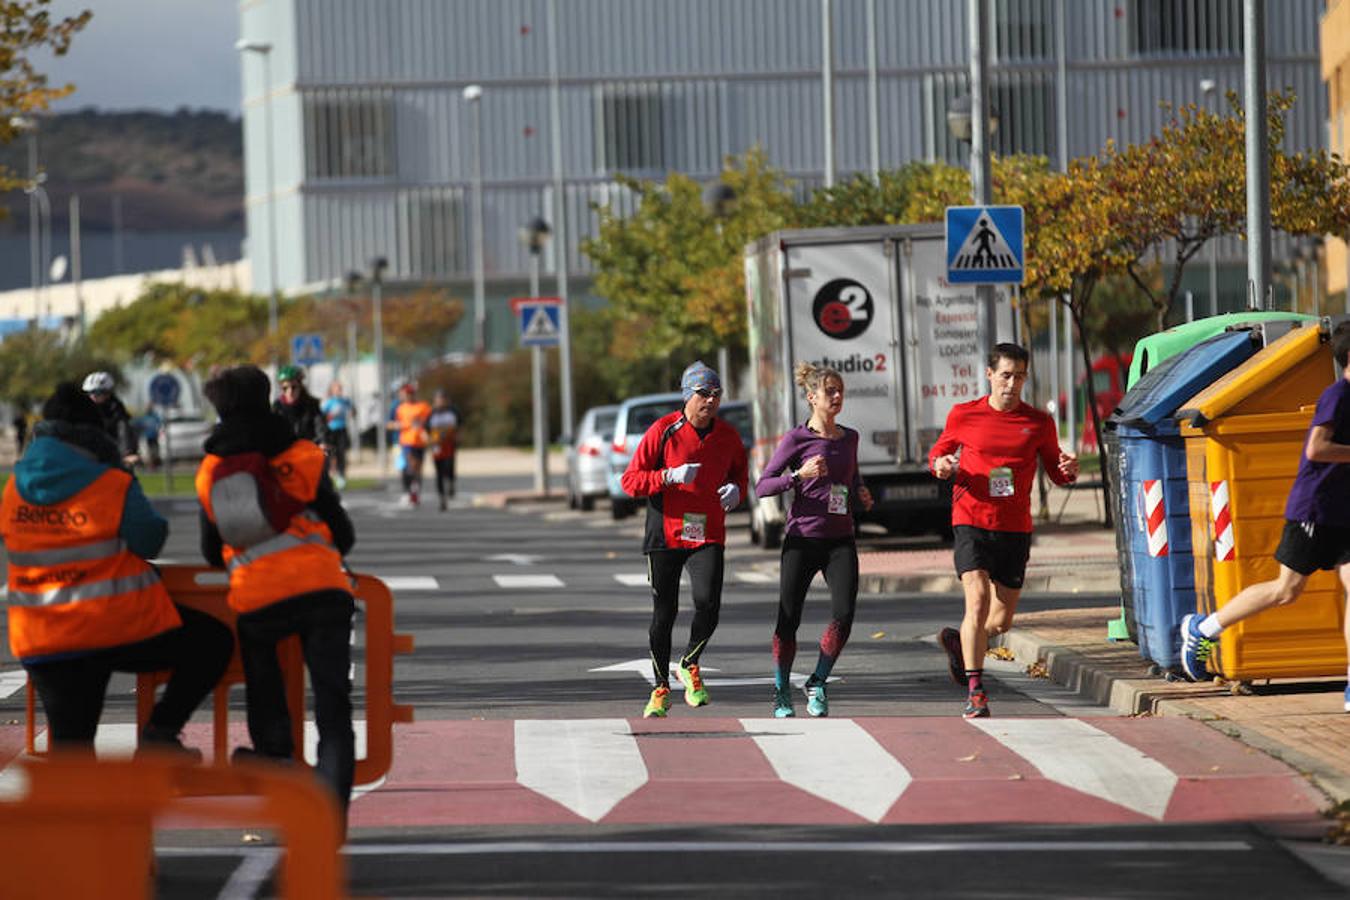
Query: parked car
[[632, 420], [588, 458], [182, 436]]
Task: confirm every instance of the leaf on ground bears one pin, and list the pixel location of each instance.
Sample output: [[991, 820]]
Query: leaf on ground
[[251, 837], [1038, 670], [971, 758], [877, 635], [1016, 776], [1001, 653]]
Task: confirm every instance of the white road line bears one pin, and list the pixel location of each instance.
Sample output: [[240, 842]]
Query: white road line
[[868, 784], [12, 682], [587, 765], [410, 582], [1087, 759], [756, 577], [528, 581], [631, 579], [247, 881]]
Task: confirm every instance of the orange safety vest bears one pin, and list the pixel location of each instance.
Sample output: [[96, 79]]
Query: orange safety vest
[[412, 423], [300, 560], [73, 584]]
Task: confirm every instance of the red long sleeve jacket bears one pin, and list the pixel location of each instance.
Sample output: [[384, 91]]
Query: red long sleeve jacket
[[685, 515]]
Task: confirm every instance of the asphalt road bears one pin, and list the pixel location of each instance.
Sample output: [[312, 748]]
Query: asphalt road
[[530, 625]]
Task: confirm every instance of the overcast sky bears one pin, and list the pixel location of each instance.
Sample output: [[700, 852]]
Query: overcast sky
[[150, 54]]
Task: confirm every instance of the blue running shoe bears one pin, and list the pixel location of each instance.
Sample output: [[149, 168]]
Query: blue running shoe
[[782, 703], [977, 706], [1195, 649], [817, 703]]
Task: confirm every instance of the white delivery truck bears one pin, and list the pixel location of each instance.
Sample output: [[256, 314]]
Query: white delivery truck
[[874, 303]]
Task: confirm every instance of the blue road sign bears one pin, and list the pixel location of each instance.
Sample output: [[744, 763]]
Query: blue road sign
[[540, 323], [307, 349], [985, 245], [164, 390]]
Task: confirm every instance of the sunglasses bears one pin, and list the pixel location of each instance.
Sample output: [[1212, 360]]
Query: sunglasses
[[709, 393]]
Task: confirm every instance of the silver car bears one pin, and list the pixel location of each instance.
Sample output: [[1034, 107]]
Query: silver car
[[588, 458]]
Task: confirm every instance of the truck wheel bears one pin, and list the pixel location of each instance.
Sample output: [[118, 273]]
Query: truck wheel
[[620, 509], [586, 503]]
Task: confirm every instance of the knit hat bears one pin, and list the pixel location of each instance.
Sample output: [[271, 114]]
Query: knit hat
[[698, 377], [69, 403], [239, 391]]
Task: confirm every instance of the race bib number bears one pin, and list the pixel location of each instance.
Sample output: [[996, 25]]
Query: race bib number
[[838, 500], [1001, 482], [694, 528]]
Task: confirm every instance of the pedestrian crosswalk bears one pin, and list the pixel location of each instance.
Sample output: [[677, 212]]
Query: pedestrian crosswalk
[[695, 769], [549, 581]]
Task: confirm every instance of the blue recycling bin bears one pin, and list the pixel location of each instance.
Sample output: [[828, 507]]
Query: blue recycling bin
[[1154, 496]]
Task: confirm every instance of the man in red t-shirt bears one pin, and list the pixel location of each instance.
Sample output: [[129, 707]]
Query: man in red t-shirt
[[692, 465], [988, 450]]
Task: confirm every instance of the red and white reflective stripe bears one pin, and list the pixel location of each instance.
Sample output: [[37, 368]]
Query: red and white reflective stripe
[[1223, 521], [1155, 516]]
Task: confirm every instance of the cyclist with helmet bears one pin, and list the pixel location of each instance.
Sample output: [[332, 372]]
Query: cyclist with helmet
[[116, 420], [298, 406]]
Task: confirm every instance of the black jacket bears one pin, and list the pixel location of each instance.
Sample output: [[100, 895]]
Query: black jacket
[[269, 435], [117, 424], [305, 416]]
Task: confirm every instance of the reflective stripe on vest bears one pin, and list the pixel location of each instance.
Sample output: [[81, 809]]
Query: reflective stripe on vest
[[90, 590], [279, 544], [58, 556]]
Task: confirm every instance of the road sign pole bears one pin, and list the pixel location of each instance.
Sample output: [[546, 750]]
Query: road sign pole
[[168, 448], [540, 399]]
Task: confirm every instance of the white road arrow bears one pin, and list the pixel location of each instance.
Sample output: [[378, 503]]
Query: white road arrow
[[516, 559], [644, 668]]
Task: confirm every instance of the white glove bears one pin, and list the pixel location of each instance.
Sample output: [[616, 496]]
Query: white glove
[[681, 474], [729, 494]]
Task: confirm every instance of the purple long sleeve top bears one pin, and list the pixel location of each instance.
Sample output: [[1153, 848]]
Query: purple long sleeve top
[[810, 514]]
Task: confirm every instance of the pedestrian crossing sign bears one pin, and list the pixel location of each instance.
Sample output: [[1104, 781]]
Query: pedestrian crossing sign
[[307, 349], [985, 245], [540, 320]]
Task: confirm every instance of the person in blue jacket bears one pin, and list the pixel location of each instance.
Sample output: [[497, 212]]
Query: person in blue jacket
[[69, 453]]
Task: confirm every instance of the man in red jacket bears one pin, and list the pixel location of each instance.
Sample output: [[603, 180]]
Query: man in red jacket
[[989, 451], [692, 465]]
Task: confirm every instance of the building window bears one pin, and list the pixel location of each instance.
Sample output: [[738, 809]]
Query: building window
[[631, 126], [435, 230], [1186, 27], [1022, 30], [349, 134]]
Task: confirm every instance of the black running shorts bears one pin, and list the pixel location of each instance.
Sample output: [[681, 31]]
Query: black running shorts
[[1003, 554], [1306, 547]]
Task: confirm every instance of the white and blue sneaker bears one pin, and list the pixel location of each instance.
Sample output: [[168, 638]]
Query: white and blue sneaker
[[782, 703], [1195, 648], [817, 703]]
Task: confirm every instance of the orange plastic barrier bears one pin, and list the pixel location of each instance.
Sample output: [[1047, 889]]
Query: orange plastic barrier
[[205, 589], [85, 827]]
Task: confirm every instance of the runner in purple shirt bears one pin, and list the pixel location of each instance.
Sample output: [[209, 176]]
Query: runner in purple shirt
[[819, 460], [1316, 529]]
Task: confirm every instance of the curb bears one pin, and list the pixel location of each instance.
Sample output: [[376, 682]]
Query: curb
[[1074, 671], [933, 582]]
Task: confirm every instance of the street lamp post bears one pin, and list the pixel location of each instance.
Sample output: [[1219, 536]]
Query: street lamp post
[[29, 126], [264, 50], [1208, 87], [377, 267], [534, 235], [719, 199], [473, 95]]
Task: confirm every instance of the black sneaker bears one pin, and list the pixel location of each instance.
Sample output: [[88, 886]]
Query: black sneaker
[[950, 639]]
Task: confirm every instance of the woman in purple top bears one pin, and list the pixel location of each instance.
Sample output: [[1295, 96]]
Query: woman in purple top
[[819, 460]]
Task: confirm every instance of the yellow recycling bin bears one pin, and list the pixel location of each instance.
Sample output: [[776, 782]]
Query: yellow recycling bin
[[1244, 437]]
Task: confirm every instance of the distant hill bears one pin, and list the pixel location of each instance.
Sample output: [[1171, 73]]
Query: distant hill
[[173, 171]]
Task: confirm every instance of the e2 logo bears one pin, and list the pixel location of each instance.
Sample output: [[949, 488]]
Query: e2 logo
[[842, 309]]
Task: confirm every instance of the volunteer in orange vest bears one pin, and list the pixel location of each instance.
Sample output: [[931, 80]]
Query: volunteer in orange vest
[[83, 601], [410, 418], [293, 583]]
